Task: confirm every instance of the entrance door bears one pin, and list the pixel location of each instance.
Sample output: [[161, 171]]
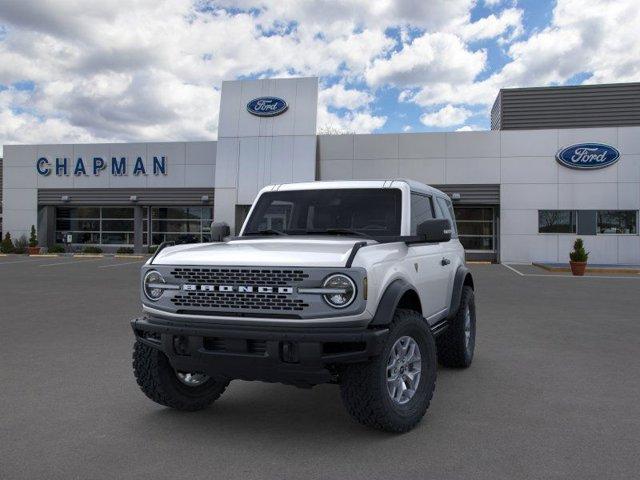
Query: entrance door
[[477, 230]]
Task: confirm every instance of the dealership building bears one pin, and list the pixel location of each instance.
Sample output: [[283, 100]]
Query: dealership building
[[558, 163]]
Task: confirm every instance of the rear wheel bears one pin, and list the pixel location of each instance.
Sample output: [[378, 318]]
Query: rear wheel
[[180, 390], [393, 390], [457, 344]]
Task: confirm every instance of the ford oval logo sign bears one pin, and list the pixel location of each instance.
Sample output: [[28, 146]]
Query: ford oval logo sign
[[588, 156], [267, 106]]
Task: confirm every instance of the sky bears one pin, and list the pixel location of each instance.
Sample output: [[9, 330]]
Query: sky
[[75, 71]]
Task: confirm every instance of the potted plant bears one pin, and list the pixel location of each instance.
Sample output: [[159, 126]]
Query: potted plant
[[33, 249], [578, 258]]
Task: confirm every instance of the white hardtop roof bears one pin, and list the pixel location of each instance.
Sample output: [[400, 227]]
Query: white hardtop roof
[[391, 183]]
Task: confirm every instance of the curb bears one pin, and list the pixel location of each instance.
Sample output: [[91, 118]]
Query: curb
[[88, 255], [588, 270], [127, 256]]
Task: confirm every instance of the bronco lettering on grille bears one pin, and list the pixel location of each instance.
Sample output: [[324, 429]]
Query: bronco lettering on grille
[[237, 289]]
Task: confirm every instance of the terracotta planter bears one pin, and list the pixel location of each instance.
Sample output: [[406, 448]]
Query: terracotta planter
[[578, 268], [33, 250]]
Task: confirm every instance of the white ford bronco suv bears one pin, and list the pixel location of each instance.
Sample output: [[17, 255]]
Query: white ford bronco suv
[[358, 283]]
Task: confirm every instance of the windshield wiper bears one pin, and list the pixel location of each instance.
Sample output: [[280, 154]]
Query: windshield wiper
[[267, 231], [340, 231]]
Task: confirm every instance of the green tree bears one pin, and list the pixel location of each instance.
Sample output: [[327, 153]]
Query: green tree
[[7, 244], [33, 237]]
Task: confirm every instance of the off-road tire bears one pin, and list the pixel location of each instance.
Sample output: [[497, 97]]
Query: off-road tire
[[363, 386], [452, 348], [158, 381]]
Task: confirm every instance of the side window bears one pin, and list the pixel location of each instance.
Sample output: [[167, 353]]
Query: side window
[[447, 211], [421, 210]]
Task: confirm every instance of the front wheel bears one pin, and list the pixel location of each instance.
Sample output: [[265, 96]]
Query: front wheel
[[158, 380], [392, 391]]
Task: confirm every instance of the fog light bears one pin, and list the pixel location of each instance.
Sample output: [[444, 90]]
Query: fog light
[[181, 345]]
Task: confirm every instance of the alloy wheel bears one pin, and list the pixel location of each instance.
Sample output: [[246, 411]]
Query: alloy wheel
[[403, 370]]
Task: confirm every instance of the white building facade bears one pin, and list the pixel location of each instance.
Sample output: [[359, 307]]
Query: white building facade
[[515, 202]]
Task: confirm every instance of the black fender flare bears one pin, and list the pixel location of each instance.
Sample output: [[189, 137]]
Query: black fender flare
[[463, 276], [389, 301]]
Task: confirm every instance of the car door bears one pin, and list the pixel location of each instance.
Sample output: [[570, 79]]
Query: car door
[[451, 249], [429, 275]]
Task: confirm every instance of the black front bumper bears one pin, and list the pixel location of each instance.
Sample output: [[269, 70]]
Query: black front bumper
[[301, 356]]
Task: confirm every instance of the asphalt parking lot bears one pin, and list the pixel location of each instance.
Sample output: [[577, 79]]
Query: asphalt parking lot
[[554, 391]]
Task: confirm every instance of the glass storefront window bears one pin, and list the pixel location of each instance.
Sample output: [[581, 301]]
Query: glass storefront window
[[618, 222], [476, 243], [95, 225], [78, 212], [180, 224], [556, 221], [79, 237], [115, 225], [476, 228], [178, 213]]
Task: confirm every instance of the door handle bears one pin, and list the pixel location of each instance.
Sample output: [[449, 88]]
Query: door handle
[[445, 261]]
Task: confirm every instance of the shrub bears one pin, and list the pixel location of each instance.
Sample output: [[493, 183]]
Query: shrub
[[153, 248], [91, 249], [125, 250], [20, 245], [33, 238], [57, 248], [579, 254], [7, 244]]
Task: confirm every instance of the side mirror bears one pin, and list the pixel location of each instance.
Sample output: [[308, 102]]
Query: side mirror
[[219, 230], [435, 230]]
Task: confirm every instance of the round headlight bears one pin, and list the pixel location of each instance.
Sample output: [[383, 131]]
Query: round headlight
[[343, 291], [153, 282]]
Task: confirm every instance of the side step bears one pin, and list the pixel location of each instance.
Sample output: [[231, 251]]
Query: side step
[[440, 327]]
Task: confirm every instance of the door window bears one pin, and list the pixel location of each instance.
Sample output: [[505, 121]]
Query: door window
[[421, 210], [447, 212]]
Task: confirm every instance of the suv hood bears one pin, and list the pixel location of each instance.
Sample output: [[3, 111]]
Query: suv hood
[[314, 251]]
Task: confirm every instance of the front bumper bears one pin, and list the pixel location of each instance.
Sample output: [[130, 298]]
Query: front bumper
[[302, 356]]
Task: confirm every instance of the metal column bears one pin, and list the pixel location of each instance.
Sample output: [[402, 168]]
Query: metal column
[[137, 229]]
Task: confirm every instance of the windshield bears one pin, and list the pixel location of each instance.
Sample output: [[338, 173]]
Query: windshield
[[371, 212]]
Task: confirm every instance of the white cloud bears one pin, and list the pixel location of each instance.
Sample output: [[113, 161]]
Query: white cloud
[[407, 128], [151, 69], [447, 116], [596, 38], [469, 128], [340, 97], [358, 122], [357, 119], [508, 22], [433, 57]]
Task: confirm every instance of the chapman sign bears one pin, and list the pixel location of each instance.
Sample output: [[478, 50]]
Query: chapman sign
[[267, 106], [588, 156], [118, 166]]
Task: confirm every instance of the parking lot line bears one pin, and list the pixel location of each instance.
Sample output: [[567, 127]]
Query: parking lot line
[[121, 264], [75, 261], [30, 260], [513, 269], [551, 275]]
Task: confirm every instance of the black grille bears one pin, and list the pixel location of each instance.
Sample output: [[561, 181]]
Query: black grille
[[217, 344], [236, 276], [240, 301]]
